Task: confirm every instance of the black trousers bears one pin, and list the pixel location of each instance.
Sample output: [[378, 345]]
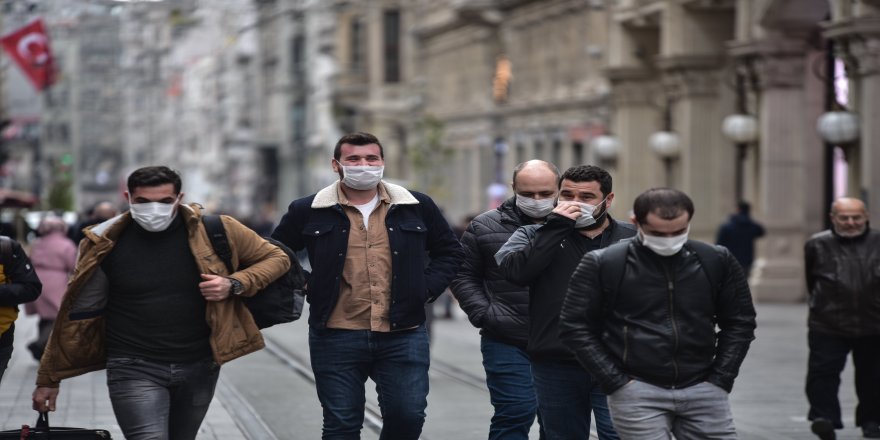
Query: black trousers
[[827, 359]]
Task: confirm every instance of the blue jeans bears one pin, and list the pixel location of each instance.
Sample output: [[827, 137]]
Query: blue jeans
[[647, 412], [509, 378], [566, 394], [398, 362], [160, 401]]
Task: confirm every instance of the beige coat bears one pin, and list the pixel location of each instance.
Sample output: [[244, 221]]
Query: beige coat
[[76, 345]]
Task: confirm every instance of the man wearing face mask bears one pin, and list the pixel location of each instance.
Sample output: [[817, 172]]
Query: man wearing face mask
[[153, 303], [543, 258], [499, 308], [641, 316], [378, 253], [843, 274]]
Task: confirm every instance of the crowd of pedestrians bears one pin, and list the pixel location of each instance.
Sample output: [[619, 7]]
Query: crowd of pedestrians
[[630, 320]]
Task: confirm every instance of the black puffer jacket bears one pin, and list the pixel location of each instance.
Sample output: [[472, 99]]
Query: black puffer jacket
[[544, 257], [659, 324], [843, 280], [498, 307]]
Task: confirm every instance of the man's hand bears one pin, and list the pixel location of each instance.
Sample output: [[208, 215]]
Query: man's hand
[[571, 210], [44, 399], [214, 287]]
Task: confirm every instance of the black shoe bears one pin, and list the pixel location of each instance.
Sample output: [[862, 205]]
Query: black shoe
[[824, 429], [871, 430], [36, 350]]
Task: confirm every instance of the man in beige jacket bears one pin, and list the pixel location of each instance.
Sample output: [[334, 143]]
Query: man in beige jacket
[[152, 303]]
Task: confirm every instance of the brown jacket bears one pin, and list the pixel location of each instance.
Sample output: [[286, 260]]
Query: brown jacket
[[76, 345]]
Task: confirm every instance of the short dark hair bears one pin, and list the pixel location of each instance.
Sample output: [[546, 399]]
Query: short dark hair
[[743, 207], [666, 203], [357, 138], [588, 173], [153, 176]]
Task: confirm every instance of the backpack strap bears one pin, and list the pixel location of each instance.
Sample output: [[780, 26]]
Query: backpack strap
[[219, 241], [613, 266], [710, 261], [5, 250]]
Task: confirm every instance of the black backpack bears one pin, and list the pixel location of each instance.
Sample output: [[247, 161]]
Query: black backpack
[[279, 302]]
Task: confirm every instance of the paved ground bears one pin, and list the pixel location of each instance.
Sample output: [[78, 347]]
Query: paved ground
[[767, 401]]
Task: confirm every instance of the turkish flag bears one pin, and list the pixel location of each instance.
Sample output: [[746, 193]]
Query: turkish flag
[[29, 47]]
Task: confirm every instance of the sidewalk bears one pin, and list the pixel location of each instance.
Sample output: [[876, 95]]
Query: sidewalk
[[83, 401]]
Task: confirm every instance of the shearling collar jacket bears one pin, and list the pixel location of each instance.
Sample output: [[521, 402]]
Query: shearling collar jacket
[[76, 345]]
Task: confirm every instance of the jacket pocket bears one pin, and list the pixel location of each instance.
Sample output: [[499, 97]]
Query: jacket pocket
[[414, 227]]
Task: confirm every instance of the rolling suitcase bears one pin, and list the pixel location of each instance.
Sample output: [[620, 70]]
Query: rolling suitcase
[[42, 431]]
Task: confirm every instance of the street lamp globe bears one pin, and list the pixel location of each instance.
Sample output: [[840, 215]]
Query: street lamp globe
[[605, 147], [740, 128], [838, 126], [665, 144]]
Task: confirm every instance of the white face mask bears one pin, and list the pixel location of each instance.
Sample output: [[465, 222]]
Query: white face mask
[[664, 246], [535, 208], [362, 177], [586, 219], [153, 216]]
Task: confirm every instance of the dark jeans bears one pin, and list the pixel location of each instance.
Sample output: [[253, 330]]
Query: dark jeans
[[398, 362], [511, 391], [45, 329], [160, 401], [827, 359], [566, 394], [5, 355]]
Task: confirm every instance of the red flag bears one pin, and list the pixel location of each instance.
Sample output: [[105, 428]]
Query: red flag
[[29, 47]]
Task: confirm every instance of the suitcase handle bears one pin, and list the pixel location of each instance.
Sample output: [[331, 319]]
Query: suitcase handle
[[43, 420]]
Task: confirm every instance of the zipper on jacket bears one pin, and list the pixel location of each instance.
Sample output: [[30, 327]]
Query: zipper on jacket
[[670, 288], [625, 344]]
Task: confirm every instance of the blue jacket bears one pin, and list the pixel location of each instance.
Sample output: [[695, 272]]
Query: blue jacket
[[425, 256]]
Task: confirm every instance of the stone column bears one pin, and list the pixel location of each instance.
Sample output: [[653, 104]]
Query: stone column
[[863, 35], [635, 117], [787, 139], [707, 162]]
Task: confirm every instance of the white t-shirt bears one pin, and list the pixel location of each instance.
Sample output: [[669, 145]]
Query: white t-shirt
[[367, 208]]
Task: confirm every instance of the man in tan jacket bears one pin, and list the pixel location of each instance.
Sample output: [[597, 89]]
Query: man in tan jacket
[[152, 303]]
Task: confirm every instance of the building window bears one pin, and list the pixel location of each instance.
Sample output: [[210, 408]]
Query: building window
[[578, 153], [357, 46], [557, 151], [297, 54], [391, 45]]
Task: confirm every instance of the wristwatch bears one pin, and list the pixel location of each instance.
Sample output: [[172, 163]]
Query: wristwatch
[[235, 287]]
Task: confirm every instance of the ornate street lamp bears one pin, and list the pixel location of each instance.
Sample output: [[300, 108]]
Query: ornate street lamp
[[742, 129], [667, 145], [605, 147], [838, 126]]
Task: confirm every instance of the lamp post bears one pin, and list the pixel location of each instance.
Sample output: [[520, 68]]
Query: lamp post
[[666, 144], [742, 129], [605, 147]]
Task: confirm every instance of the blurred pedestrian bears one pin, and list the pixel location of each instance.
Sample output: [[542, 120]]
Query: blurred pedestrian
[[153, 303], [19, 284], [100, 212], [499, 308], [738, 235], [53, 255], [843, 281], [378, 253], [641, 316], [543, 257]]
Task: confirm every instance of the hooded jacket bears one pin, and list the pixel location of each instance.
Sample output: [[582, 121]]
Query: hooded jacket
[[497, 306], [843, 281], [543, 257], [76, 345]]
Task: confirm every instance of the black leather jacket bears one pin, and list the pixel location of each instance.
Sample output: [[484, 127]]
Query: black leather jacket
[[659, 324], [497, 306], [843, 280]]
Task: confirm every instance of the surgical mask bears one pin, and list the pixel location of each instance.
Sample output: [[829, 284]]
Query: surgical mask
[[535, 208], [362, 177], [153, 216], [665, 246], [586, 219]]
